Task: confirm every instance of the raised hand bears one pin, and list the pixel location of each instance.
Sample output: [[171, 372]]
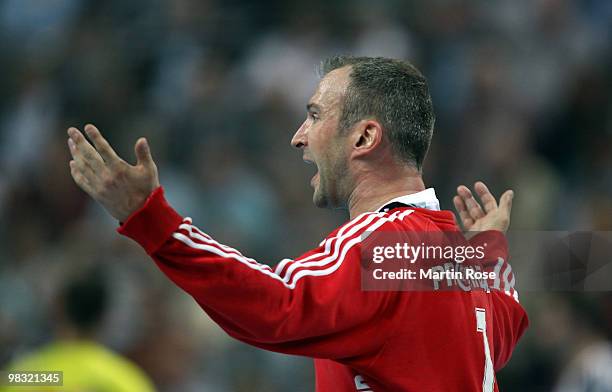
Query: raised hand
[[121, 188], [471, 213]]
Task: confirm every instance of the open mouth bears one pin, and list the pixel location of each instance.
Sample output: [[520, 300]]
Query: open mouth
[[315, 179]]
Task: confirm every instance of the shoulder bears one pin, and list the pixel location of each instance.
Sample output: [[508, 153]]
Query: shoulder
[[111, 363], [422, 219], [369, 222]]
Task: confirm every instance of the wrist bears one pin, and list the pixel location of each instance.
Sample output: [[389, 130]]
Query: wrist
[[134, 205]]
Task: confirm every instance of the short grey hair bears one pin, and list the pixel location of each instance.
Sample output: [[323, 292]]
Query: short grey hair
[[393, 92]]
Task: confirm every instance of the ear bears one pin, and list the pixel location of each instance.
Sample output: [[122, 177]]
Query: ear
[[366, 136]]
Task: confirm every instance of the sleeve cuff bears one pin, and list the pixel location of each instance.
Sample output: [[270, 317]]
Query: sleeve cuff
[[494, 242], [153, 223]]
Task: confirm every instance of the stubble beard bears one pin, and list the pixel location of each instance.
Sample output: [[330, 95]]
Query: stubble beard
[[328, 191]]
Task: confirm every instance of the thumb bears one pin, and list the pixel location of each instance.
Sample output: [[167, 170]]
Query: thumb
[[505, 201], [143, 153]]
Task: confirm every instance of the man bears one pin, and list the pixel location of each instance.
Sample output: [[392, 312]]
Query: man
[[86, 364], [368, 128]]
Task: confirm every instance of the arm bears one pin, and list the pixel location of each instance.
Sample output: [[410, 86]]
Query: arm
[[488, 225], [312, 305]]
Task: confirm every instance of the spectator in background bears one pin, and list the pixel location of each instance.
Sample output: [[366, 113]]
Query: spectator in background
[[532, 77], [86, 364]]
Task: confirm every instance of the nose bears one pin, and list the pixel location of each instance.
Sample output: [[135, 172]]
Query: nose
[[299, 138]]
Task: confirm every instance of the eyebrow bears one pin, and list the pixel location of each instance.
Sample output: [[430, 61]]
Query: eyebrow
[[313, 107]]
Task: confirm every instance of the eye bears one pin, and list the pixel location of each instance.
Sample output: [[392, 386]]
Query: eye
[[313, 116]]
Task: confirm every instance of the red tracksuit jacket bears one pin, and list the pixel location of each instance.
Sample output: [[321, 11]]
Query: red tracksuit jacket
[[314, 306]]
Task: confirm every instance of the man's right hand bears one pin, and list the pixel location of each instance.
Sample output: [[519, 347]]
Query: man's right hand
[[471, 213], [121, 188]]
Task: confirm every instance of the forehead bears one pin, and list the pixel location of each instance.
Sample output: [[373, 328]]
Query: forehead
[[331, 88]]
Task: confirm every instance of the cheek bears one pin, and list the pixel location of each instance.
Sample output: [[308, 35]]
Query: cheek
[[323, 133], [316, 142]]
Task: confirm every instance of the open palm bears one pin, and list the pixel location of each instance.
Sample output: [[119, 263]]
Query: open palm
[[486, 215]]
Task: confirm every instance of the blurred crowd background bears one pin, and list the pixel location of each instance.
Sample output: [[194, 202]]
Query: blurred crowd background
[[523, 96]]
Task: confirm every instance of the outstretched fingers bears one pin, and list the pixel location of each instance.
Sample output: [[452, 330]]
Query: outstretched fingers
[[82, 176], [473, 207], [78, 159], [464, 215], [104, 149], [488, 200], [505, 202], [121, 188], [495, 216], [143, 153], [83, 152]]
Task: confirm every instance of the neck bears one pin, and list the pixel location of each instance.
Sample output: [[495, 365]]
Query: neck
[[68, 332], [375, 188]]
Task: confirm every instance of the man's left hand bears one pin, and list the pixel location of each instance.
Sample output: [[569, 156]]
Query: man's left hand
[[489, 216]]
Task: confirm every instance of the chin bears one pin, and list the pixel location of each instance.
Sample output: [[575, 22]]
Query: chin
[[320, 200]]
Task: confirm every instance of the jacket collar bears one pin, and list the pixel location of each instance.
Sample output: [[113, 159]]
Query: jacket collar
[[424, 199]]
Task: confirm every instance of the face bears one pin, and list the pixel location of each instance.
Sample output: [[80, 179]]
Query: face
[[320, 140]]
